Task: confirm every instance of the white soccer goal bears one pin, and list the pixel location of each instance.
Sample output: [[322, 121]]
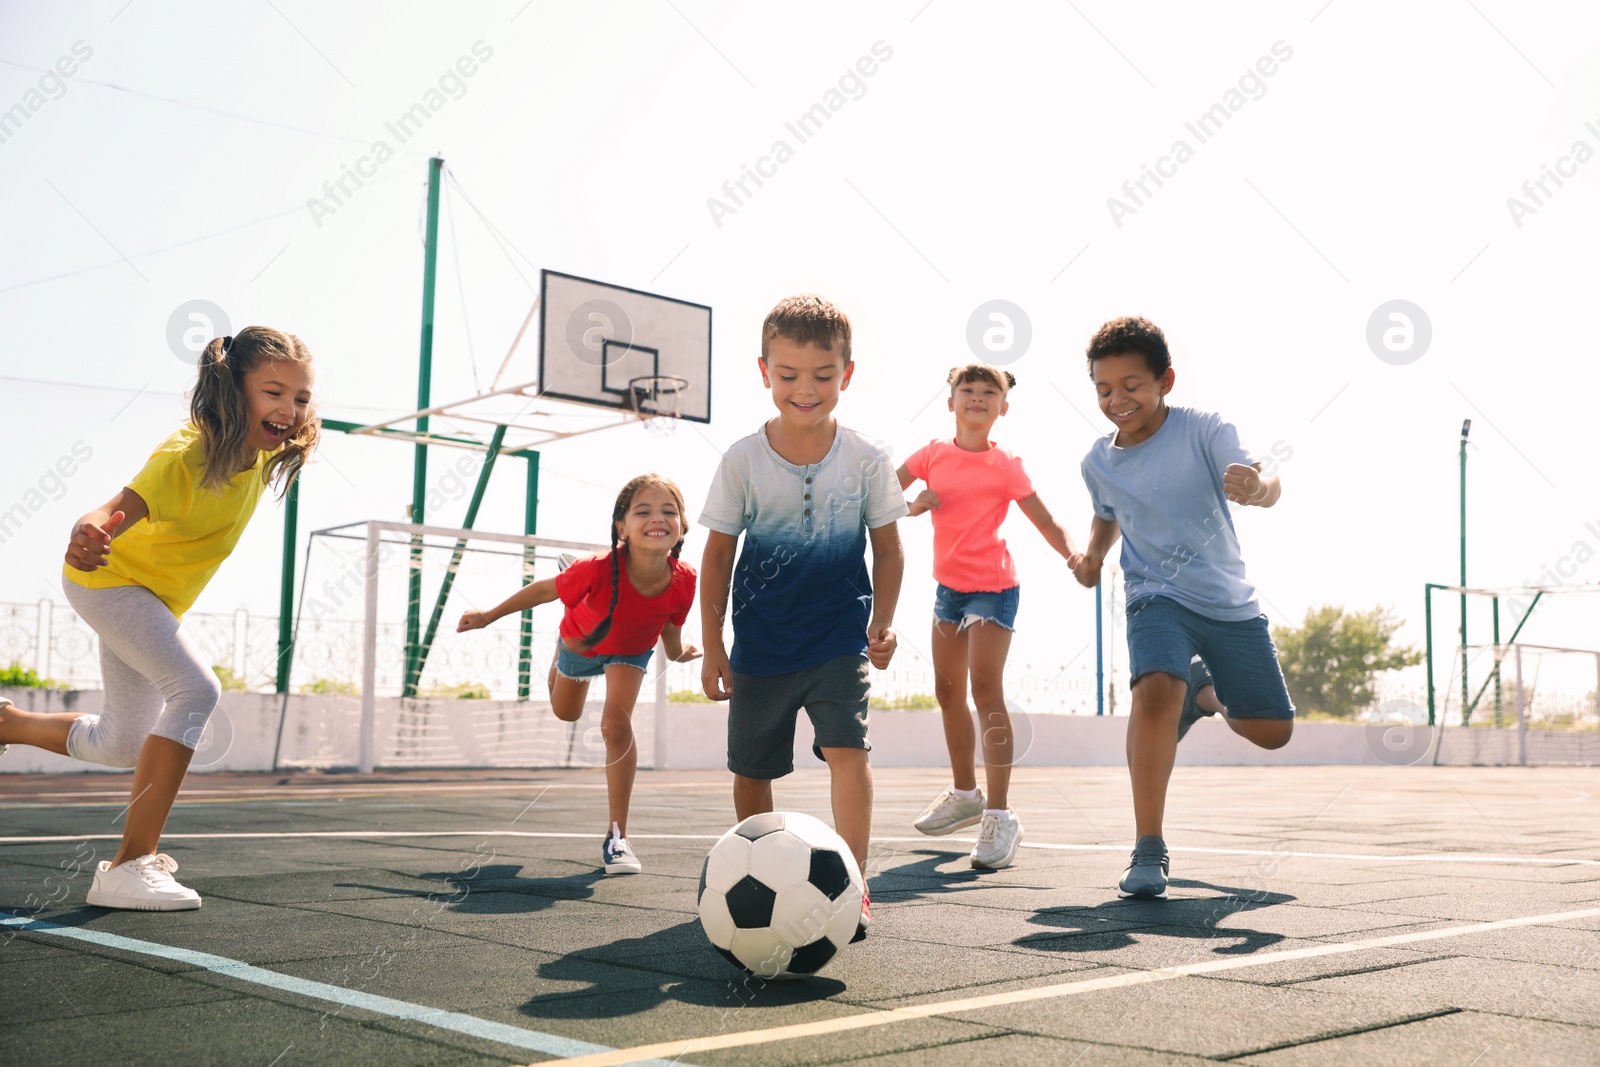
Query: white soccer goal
[[480, 697], [1526, 704]]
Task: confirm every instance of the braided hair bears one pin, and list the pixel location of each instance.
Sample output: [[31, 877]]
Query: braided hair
[[618, 513]]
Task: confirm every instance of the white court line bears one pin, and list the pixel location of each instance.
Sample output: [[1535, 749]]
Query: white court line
[[672, 1050], [1442, 857], [458, 1022]]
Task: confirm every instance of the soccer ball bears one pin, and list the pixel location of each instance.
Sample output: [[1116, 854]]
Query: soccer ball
[[780, 894]]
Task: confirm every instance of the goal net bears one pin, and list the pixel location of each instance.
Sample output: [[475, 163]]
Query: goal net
[[1525, 704], [363, 694]]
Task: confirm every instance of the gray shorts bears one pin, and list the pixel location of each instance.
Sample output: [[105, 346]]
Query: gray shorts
[[763, 710]]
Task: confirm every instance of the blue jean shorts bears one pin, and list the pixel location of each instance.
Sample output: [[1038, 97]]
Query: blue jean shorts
[[1165, 636], [580, 668], [964, 609]]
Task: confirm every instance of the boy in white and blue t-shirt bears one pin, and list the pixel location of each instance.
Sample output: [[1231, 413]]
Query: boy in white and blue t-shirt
[[808, 495], [1163, 481]]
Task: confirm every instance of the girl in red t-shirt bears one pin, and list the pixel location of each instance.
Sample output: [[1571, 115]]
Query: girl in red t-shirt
[[971, 485], [618, 604]]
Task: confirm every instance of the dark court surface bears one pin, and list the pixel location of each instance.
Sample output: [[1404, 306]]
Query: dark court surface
[[1325, 915]]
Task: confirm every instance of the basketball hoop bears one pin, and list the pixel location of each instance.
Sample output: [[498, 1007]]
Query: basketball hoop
[[657, 395]]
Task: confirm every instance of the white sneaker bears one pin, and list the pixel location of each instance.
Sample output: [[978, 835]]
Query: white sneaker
[[998, 838], [143, 884], [949, 813]]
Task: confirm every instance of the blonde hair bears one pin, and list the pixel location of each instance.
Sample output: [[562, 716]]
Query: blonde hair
[[219, 410]]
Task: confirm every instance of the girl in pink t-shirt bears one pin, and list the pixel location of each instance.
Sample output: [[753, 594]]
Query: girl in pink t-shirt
[[617, 604], [970, 486]]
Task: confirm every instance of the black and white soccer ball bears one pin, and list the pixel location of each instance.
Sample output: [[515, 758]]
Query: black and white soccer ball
[[780, 895]]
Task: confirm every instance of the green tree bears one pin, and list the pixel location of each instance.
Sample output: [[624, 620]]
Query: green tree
[[1331, 660]]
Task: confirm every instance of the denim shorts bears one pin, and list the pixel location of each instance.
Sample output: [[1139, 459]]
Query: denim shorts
[[764, 708], [1165, 636], [581, 668], [964, 609]]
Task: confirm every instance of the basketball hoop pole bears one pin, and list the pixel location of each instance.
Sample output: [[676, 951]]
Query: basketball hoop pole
[[419, 467]]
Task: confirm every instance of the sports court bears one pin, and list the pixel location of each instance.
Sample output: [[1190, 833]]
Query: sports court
[[1317, 915]]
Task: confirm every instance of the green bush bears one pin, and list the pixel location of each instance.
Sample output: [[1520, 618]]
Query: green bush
[[460, 691], [231, 682], [909, 702], [687, 696], [18, 677], [330, 687]]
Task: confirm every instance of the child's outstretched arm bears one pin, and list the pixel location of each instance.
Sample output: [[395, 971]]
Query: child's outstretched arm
[[1244, 485], [1103, 534], [888, 567], [677, 651], [89, 548], [1053, 531], [926, 500], [529, 596], [716, 579]]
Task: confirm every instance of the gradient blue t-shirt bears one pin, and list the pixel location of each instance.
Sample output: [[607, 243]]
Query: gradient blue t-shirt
[[802, 594], [1166, 495]]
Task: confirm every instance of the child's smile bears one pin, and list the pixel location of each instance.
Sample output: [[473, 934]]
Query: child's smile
[[805, 381]]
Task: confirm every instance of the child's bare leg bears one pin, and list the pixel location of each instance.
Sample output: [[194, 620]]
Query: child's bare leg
[[751, 796], [988, 644], [950, 687], [852, 799], [1265, 733], [568, 696], [1153, 746], [616, 726], [46, 731], [156, 777]]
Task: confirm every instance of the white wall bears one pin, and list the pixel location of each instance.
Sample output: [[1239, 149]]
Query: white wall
[[244, 731]]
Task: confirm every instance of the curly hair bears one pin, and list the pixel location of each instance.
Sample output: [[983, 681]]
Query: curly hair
[[618, 513], [219, 410], [1131, 335], [807, 319]]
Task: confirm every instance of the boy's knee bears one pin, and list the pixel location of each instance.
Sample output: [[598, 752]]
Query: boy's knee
[[1276, 733]]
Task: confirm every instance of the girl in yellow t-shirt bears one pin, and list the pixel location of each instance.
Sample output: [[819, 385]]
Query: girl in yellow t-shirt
[[251, 426]]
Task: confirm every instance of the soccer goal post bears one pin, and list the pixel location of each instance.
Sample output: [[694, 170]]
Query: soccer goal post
[[480, 697]]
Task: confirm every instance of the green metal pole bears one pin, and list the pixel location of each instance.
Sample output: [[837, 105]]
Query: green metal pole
[[1465, 426], [455, 557], [1427, 625], [291, 514], [530, 526], [1496, 617], [419, 476]]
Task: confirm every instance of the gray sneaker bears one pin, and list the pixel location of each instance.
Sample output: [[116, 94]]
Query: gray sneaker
[[949, 813], [998, 838], [617, 855], [1146, 875], [1192, 712]]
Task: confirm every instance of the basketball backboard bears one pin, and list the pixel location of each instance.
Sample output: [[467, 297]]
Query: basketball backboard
[[596, 338]]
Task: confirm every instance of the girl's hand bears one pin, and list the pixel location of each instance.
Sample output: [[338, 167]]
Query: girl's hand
[[472, 620], [926, 500], [688, 655], [90, 546]]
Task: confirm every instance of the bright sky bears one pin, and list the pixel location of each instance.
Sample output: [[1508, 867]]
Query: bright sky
[[1373, 164]]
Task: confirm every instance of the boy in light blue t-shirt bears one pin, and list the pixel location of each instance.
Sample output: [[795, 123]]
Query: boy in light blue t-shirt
[[808, 495], [1162, 482]]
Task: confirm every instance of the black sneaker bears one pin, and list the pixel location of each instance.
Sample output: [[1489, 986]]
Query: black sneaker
[[1146, 875]]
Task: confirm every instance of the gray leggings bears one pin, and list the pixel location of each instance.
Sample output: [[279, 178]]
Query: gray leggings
[[156, 683]]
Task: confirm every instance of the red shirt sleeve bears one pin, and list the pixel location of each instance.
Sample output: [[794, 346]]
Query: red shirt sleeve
[[684, 579], [578, 580]]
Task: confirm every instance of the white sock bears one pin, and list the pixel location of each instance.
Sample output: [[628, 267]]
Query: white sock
[[965, 794], [997, 811], [616, 831]]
